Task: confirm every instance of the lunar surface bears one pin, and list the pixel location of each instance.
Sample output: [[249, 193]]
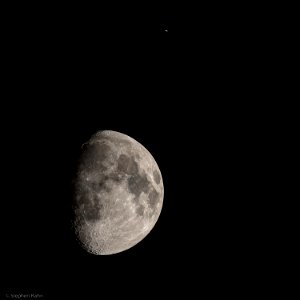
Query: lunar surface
[[118, 193]]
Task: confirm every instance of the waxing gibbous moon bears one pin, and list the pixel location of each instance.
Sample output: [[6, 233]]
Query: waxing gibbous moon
[[118, 193]]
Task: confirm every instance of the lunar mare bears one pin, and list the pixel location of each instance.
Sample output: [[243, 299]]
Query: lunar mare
[[118, 193]]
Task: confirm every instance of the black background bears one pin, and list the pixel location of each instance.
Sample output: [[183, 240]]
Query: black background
[[70, 71]]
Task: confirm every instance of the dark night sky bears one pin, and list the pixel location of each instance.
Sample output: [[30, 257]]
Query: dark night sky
[[71, 72]]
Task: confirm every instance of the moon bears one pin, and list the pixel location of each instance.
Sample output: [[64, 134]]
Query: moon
[[118, 193]]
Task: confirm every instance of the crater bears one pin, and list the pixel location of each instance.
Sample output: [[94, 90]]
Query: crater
[[156, 177]]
